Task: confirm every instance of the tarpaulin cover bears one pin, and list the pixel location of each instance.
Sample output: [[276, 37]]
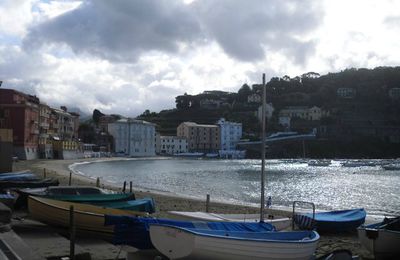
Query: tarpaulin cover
[[134, 231]]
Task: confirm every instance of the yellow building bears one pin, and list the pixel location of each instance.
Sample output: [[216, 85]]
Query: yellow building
[[201, 138]]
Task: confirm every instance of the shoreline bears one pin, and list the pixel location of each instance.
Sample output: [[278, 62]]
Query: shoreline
[[60, 169]]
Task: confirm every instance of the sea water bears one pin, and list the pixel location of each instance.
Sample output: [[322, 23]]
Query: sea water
[[331, 187]]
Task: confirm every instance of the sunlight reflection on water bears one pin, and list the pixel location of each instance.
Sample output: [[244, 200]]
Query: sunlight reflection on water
[[330, 187]]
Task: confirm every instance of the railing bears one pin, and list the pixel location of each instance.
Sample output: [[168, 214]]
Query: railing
[[303, 202]]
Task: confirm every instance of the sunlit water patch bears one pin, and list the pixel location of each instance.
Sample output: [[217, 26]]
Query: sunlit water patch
[[238, 181]]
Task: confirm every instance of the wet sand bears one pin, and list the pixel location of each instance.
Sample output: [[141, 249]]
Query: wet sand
[[166, 202]]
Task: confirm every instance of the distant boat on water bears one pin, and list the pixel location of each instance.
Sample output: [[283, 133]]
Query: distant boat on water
[[391, 167], [196, 155], [358, 163], [319, 163]]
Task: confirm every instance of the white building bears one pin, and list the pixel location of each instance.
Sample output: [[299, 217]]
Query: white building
[[231, 133], [171, 145], [269, 110], [313, 113], [133, 137]]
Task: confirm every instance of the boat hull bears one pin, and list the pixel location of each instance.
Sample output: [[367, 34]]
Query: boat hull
[[88, 218], [178, 243], [380, 242]]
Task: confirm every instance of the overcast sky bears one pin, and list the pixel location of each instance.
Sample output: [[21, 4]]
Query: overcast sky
[[128, 56]]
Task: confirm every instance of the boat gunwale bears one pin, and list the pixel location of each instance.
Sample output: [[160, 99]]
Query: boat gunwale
[[128, 213], [307, 241]]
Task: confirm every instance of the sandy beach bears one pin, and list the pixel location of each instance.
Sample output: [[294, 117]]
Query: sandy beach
[[164, 202]]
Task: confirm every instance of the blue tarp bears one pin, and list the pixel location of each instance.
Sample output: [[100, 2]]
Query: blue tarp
[[332, 221], [134, 231]]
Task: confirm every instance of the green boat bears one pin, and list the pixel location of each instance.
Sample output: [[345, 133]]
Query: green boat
[[91, 198], [142, 205], [116, 201]]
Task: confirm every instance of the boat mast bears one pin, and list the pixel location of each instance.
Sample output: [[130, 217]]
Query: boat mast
[[263, 151]]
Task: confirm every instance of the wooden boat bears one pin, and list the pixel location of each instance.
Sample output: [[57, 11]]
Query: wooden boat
[[332, 221], [382, 239], [80, 194], [134, 231], [198, 243], [28, 183], [280, 223], [123, 201], [88, 218]]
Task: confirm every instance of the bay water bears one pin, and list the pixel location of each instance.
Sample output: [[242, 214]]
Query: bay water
[[331, 187]]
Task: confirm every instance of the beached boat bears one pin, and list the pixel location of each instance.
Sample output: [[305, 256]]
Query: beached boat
[[18, 176], [28, 183], [90, 195], [332, 221], [142, 205], [134, 231], [382, 239], [65, 190], [79, 194], [280, 223], [198, 243], [88, 218]]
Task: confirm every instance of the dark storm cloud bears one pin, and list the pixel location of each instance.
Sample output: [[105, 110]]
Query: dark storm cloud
[[123, 30], [119, 30]]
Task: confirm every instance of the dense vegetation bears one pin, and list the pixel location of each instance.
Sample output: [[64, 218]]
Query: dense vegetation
[[369, 119]]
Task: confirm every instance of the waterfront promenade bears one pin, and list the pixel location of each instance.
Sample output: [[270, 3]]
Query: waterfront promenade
[[166, 202]]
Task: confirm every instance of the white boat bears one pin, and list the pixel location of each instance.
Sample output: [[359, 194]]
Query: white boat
[[193, 243], [178, 242], [280, 223], [382, 239]]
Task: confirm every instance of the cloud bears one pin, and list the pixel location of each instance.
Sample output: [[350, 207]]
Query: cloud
[[250, 30], [119, 30], [124, 30], [392, 21]]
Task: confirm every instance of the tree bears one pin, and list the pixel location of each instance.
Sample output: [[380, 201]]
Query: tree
[[96, 116], [244, 92]]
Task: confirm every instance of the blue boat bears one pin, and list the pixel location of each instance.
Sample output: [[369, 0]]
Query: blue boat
[[134, 231], [18, 176], [332, 221]]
